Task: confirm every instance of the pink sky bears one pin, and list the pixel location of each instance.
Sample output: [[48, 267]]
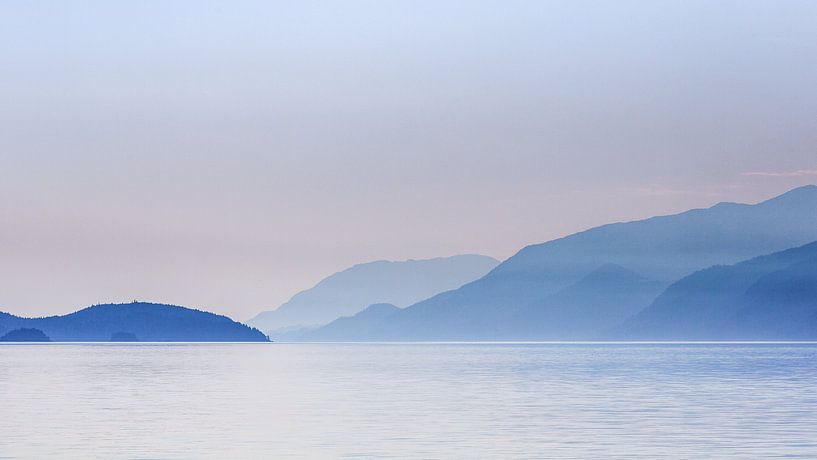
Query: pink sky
[[227, 155]]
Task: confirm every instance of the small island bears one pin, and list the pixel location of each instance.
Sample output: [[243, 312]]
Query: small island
[[124, 337], [25, 334]]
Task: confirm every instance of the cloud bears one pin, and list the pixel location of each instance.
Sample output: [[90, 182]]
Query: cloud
[[706, 191], [796, 173]]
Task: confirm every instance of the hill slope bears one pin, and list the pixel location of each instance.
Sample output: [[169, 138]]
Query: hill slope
[[662, 249], [147, 321], [360, 324], [772, 297], [599, 301], [350, 291]]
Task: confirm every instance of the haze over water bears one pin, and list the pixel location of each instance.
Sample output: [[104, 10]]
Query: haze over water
[[409, 401]]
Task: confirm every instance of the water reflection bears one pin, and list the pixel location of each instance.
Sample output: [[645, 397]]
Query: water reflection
[[409, 400]]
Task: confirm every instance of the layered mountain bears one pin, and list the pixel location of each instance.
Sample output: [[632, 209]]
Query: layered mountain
[[603, 299], [546, 289], [351, 290], [361, 324], [145, 322], [772, 297]]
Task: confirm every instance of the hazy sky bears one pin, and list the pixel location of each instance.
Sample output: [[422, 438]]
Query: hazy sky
[[227, 154]]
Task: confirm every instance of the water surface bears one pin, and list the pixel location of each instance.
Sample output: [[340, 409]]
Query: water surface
[[409, 401]]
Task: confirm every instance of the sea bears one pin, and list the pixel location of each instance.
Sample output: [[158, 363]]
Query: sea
[[409, 400]]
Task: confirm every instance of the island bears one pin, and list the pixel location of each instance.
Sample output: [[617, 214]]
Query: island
[[25, 334], [137, 321], [124, 337]]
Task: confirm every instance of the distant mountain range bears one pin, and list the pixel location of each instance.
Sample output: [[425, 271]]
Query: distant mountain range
[[137, 321], [351, 290], [600, 300], [772, 297], [728, 272], [343, 328], [586, 284]]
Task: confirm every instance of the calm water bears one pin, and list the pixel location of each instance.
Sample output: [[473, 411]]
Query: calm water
[[408, 401]]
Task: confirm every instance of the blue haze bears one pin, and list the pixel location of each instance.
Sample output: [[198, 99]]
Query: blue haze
[[351, 290]]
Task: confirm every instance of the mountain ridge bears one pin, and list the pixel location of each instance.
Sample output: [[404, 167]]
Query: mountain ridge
[[661, 248], [349, 291], [726, 302]]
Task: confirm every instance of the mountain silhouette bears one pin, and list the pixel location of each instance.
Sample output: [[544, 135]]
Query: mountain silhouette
[[772, 297], [351, 290], [149, 322], [658, 250]]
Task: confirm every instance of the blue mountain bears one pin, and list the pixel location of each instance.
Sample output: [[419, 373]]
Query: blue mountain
[[603, 299], [545, 289], [350, 291], [149, 322], [340, 329], [772, 297]]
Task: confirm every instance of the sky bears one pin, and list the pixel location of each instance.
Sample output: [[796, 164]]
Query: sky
[[227, 154]]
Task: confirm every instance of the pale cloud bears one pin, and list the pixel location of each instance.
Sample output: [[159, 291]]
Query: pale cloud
[[796, 173], [703, 191]]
